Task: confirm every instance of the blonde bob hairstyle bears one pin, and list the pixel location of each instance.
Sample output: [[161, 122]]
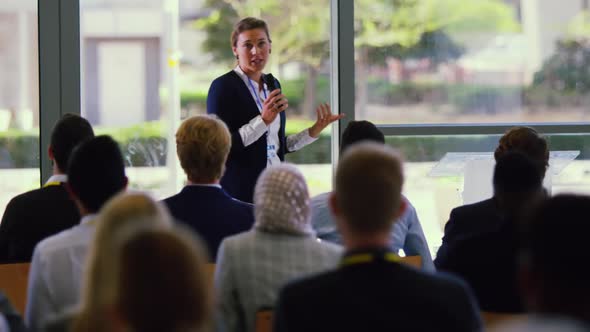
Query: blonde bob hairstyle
[[202, 144], [123, 214]]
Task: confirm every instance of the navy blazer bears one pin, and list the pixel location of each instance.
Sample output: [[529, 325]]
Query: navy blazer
[[32, 216], [211, 213], [466, 221], [230, 99], [376, 296], [489, 264]]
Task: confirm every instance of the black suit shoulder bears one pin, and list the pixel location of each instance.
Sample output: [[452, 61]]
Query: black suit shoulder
[[490, 269], [376, 298], [466, 221], [474, 213], [32, 216]]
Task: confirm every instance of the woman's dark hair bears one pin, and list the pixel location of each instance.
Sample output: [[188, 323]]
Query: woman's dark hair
[[96, 171], [248, 23], [357, 131], [68, 132]]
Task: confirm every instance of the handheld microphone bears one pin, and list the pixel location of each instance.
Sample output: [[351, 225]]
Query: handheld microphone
[[270, 82]]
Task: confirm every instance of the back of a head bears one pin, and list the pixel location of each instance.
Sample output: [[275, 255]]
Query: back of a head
[[358, 131], [281, 201], [124, 214], [516, 181], [556, 254], [67, 133], [163, 282], [525, 140], [202, 144], [96, 172], [368, 186]]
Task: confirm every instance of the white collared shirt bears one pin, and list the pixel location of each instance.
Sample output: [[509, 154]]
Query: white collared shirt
[[57, 178], [254, 129], [56, 272], [3, 324], [214, 185]]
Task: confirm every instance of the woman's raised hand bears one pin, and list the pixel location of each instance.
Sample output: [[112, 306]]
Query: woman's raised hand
[[324, 118]]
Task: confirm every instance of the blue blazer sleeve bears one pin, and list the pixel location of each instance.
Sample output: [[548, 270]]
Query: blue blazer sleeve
[[222, 101]]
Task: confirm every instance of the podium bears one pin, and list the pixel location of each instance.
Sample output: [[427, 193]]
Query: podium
[[477, 169]]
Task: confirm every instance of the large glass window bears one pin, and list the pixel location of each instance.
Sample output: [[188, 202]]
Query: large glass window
[[300, 33], [139, 55], [485, 61], [19, 99], [125, 75], [443, 172], [430, 67]]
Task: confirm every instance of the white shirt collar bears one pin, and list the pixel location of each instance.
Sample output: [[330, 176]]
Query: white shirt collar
[[215, 185], [245, 77], [88, 218], [57, 178]]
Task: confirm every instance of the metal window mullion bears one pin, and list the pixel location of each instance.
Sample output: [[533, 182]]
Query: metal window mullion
[[70, 56], [480, 129], [59, 69], [342, 68], [49, 78]]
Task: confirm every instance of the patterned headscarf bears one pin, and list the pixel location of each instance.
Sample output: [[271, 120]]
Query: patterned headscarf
[[281, 201]]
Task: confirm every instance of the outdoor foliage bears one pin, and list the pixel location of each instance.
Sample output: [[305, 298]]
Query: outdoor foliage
[[568, 70], [145, 151]]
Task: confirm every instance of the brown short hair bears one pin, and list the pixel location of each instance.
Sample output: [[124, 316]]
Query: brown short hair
[[163, 282], [368, 186], [527, 141], [202, 144], [248, 23]]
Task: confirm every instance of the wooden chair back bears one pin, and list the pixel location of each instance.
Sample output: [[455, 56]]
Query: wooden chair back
[[13, 282], [415, 261], [264, 321], [491, 319]]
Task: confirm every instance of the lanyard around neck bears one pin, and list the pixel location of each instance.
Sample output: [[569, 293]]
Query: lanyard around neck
[[365, 258], [257, 99]]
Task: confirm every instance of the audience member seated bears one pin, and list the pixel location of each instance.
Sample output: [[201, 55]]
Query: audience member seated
[[178, 299], [95, 174], [121, 217], [40, 213], [488, 261], [554, 275], [10, 320], [253, 266], [203, 143], [485, 216], [371, 290], [406, 233]]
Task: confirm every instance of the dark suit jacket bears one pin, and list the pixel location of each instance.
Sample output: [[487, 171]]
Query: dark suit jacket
[[231, 100], [377, 296], [212, 213], [488, 262], [469, 220], [33, 216], [13, 319]]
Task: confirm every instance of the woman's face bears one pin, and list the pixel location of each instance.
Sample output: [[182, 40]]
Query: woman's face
[[252, 50]]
